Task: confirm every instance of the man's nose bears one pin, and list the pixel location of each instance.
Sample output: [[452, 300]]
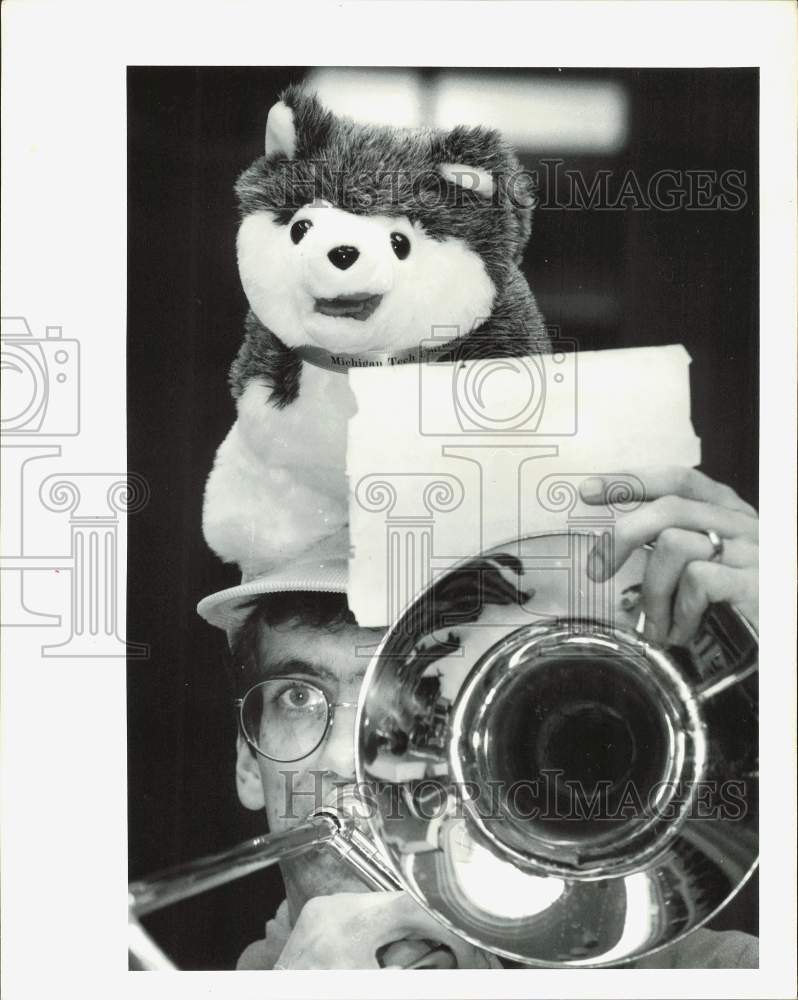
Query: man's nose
[[344, 256], [338, 750]]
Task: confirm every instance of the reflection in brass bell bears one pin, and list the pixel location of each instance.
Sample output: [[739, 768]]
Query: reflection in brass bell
[[548, 783]]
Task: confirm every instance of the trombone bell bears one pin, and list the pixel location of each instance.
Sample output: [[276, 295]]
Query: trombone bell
[[548, 783]]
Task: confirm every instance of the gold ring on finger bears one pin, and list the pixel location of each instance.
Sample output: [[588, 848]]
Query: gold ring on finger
[[717, 545]]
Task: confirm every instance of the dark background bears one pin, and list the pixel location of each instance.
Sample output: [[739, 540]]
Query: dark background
[[607, 278]]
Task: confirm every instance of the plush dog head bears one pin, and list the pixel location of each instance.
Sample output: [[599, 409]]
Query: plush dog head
[[358, 237]]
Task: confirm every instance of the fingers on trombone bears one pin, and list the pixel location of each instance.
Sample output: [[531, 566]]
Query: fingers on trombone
[[646, 524], [437, 956], [675, 549], [654, 482], [702, 584]]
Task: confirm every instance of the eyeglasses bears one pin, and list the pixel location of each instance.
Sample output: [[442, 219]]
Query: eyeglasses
[[286, 719]]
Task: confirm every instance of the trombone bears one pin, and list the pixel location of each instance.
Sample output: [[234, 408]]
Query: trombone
[[545, 781], [329, 827]]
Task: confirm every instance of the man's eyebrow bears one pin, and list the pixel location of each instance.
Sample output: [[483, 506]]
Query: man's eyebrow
[[296, 665]]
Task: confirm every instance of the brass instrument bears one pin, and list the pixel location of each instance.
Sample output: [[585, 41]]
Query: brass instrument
[[545, 781]]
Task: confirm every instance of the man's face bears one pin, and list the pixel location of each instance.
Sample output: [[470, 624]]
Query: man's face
[[335, 662]]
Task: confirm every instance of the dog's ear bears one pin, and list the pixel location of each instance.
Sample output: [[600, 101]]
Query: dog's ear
[[478, 159], [280, 133], [469, 177], [478, 146], [297, 125], [472, 158]]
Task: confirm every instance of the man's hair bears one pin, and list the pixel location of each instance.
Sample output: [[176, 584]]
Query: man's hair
[[458, 599], [310, 609]]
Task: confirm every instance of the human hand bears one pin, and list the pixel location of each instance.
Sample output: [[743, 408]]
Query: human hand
[[348, 930], [683, 575]]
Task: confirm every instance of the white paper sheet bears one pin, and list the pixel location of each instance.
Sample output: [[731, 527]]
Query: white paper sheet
[[445, 460]]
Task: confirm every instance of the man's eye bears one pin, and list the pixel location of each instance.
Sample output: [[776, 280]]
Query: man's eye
[[401, 245], [300, 697], [299, 229]]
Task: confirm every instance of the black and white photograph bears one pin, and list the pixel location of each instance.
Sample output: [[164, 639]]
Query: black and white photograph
[[640, 189], [413, 620]]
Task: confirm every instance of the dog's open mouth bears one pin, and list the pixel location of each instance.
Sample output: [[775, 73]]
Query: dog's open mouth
[[349, 306]]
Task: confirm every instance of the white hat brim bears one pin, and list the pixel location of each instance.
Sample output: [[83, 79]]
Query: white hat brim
[[227, 608]]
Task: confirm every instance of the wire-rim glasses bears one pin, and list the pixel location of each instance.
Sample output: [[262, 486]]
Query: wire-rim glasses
[[286, 718]]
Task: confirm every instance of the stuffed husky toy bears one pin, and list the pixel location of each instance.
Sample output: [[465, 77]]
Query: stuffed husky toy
[[355, 242]]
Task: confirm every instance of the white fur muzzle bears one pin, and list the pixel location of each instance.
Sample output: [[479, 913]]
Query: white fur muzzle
[[439, 283]]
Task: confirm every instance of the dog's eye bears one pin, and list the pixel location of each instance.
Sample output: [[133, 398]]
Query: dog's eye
[[299, 229], [401, 245]]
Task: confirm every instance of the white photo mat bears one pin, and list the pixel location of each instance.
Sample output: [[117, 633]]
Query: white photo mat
[[64, 796]]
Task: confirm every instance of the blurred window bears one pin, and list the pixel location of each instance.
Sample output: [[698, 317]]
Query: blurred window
[[377, 96], [544, 114]]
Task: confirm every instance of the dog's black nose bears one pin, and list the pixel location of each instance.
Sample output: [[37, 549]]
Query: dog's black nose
[[343, 257]]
